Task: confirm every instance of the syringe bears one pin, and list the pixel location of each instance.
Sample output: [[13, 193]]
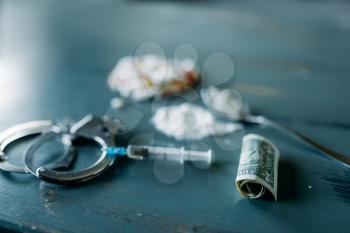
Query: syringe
[[181, 155]]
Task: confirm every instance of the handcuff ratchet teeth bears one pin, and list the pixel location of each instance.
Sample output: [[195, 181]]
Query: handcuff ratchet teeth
[[101, 130], [24, 130]]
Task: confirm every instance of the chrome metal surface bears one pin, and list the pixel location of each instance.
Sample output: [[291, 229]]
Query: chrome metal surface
[[21, 131]]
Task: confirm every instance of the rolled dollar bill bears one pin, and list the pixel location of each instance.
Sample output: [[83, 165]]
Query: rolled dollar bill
[[258, 167]]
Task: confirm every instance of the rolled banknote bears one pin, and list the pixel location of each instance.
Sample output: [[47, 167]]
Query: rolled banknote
[[258, 167]]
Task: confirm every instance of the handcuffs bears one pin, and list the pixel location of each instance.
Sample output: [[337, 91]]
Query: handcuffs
[[101, 130]]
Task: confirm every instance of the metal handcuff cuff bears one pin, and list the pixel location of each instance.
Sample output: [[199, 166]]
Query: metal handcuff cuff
[[24, 130], [101, 130]]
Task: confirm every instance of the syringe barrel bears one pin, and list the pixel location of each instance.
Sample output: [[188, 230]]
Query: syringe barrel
[[155, 152], [168, 153]]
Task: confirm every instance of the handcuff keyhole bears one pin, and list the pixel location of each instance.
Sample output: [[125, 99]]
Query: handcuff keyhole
[[104, 129]]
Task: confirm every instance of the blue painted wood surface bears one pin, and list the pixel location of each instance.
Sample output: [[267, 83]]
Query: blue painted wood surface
[[292, 63]]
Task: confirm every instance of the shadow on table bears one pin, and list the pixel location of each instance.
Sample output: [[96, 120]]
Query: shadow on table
[[287, 181]]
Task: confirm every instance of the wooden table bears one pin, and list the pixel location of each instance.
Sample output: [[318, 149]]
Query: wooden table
[[291, 61]]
